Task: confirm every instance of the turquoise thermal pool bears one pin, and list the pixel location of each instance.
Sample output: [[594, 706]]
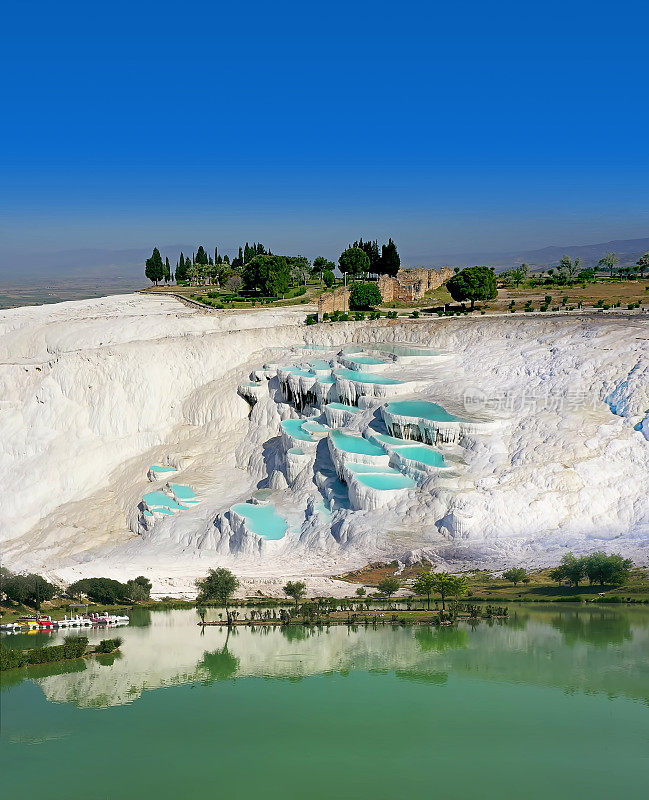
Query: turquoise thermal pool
[[159, 501], [421, 409], [355, 444], [302, 373], [184, 493], [162, 470], [303, 429], [320, 364], [397, 349], [423, 454], [365, 360], [262, 520], [365, 377]]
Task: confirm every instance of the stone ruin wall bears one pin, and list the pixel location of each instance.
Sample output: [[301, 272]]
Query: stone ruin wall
[[412, 284], [409, 284]]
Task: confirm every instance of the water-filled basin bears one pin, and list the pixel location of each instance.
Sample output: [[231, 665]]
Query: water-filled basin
[[355, 444], [365, 377], [262, 520], [421, 409]]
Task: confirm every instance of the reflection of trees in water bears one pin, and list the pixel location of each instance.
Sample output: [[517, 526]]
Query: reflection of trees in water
[[297, 633], [440, 639], [597, 628], [517, 621], [140, 617], [220, 665]]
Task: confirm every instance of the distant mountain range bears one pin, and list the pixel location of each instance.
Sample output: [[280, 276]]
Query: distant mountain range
[[627, 250], [125, 268]]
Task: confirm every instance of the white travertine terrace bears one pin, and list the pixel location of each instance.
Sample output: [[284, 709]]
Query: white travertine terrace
[[552, 453]]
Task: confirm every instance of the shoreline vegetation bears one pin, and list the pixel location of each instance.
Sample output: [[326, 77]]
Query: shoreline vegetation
[[482, 587], [72, 649]]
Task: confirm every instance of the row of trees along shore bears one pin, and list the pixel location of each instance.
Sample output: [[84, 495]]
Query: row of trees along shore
[[256, 267]]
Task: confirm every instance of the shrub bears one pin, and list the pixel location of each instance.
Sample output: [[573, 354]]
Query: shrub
[[329, 278], [364, 296], [30, 590], [108, 645], [311, 319], [415, 315]]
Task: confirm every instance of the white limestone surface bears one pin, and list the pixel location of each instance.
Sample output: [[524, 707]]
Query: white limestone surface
[[94, 392]]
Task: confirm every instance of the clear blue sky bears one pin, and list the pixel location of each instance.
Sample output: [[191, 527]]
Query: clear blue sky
[[449, 126]]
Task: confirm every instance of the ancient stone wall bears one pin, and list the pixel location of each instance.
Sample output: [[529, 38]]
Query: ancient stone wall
[[412, 284], [338, 300]]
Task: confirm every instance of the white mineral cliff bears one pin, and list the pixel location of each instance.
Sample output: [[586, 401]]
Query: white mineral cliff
[[552, 454]]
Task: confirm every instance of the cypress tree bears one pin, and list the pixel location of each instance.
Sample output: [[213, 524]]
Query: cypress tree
[[167, 270], [154, 268], [390, 261]]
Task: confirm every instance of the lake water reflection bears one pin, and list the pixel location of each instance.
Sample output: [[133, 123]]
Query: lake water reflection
[[551, 691]]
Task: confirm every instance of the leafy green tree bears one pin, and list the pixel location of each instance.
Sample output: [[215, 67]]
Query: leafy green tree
[[515, 575], [570, 569], [296, 590], [299, 268], [609, 262], [425, 584], [473, 283], [268, 274], [613, 569], [30, 590], [390, 261], [321, 265], [449, 586], [139, 589], [519, 274], [329, 278], [643, 264], [353, 261], [167, 270], [364, 296], [100, 590], [154, 268], [568, 269], [361, 591], [388, 586], [219, 585], [586, 274], [201, 611]]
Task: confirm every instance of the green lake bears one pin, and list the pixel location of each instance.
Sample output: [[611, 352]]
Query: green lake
[[553, 703]]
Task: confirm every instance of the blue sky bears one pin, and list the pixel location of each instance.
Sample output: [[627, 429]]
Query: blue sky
[[451, 127]]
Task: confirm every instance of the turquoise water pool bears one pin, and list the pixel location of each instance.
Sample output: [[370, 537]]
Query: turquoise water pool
[[303, 373], [328, 379], [422, 409], [158, 501], [263, 520], [296, 451], [365, 377], [343, 407], [294, 428], [320, 364], [162, 469], [425, 455], [365, 360], [182, 492], [311, 426], [355, 444]]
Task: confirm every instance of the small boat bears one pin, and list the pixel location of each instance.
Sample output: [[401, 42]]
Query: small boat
[[11, 626], [45, 622], [63, 623]]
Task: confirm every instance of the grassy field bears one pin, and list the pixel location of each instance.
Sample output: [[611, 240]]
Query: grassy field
[[485, 586]]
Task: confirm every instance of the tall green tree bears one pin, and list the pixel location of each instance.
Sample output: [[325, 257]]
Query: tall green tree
[[296, 590], [270, 275], [473, 283], [609, 262], [321, 265], [570, 569], [643, 264], [425, 585], [167, 270], [353, 261], [568, 269], [181, 269], [154, 268], [519, 274], [201, 256], [388, 586], [390, 260], [613, 569], [219, 585], [449, 585], [515, 575], [328, 278]]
